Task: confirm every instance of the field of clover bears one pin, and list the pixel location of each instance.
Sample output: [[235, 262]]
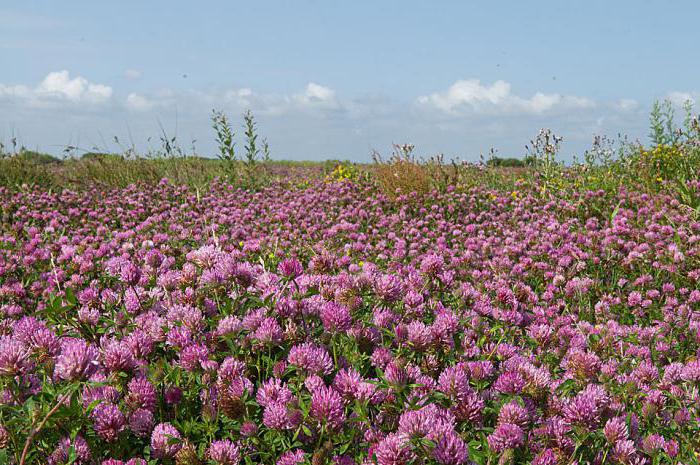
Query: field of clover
[[332, 324]]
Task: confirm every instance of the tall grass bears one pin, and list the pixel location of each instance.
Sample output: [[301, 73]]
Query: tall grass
[[670, 164]]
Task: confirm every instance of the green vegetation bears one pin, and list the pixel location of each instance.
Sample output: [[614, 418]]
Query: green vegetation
[[670, 163]]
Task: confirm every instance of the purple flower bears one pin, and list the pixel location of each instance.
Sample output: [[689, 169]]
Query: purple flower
[[165, 441], [273, 391], [77, 360], [432, 264], [450, 449], [269, 332], [136, 461], [224, 452], [249, 429], [292, 457], [469, 408], [335, 317], [506, 436], [107, 393], [587, 407], [419, 335], [393, 450], [546, 457], [615, 430], [61, 454], [395, 375], [514, 413], [290, 268], [108, 421], [430, 422], [454, 382], [510, 382], [117, 356], [192, 356], [311, 358], [173, 395], [277, 416], [388, 287], [327, 407], [141, 394], [141, 422], [654, 443], [14, 356]]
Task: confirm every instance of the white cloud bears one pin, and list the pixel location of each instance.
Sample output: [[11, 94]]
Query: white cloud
[[318, 93], [471, 95], [316, 97], [626, 104], [680, 98], [58, 86], [138, 103], [315, 120], [132, 74]]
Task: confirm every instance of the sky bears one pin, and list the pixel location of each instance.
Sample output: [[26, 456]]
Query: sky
[[331, 79]]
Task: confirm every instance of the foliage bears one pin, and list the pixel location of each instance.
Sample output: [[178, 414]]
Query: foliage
[[506, 162], [225, 142], [345, 171]]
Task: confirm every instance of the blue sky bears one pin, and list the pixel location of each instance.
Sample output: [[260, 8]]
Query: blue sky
[[330, 79]]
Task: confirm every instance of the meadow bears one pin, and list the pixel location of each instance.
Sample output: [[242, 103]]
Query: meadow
[[176, 310]]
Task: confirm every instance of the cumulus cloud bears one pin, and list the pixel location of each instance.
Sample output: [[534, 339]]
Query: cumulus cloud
[[138, 102], [315, 94], [471, 96], [56, 87], [59, 84], [316, 120]]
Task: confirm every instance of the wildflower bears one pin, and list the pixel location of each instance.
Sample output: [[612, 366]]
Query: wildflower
[[514, 413], [80, 449], [269, 332], [277, 416], [141, 422], [311, 358], [273, 391], [108, 421], [450, 449], [224, 452], [327, 407], [117, 356], [14, 356], [165, 441], [393, 450], [292, 457], [77, 360], [290, 268], [506, 436], [615, 430], [335, 317]]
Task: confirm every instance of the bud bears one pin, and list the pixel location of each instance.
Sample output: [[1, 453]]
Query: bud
[[187, 455], [4, 437], [507, 457]]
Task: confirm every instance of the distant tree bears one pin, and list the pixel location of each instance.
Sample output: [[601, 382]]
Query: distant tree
[[506, 162], [38, 157], [99, 156]]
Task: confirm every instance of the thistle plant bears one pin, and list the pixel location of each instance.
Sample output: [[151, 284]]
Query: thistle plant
[[542, 152], [226, 144]]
